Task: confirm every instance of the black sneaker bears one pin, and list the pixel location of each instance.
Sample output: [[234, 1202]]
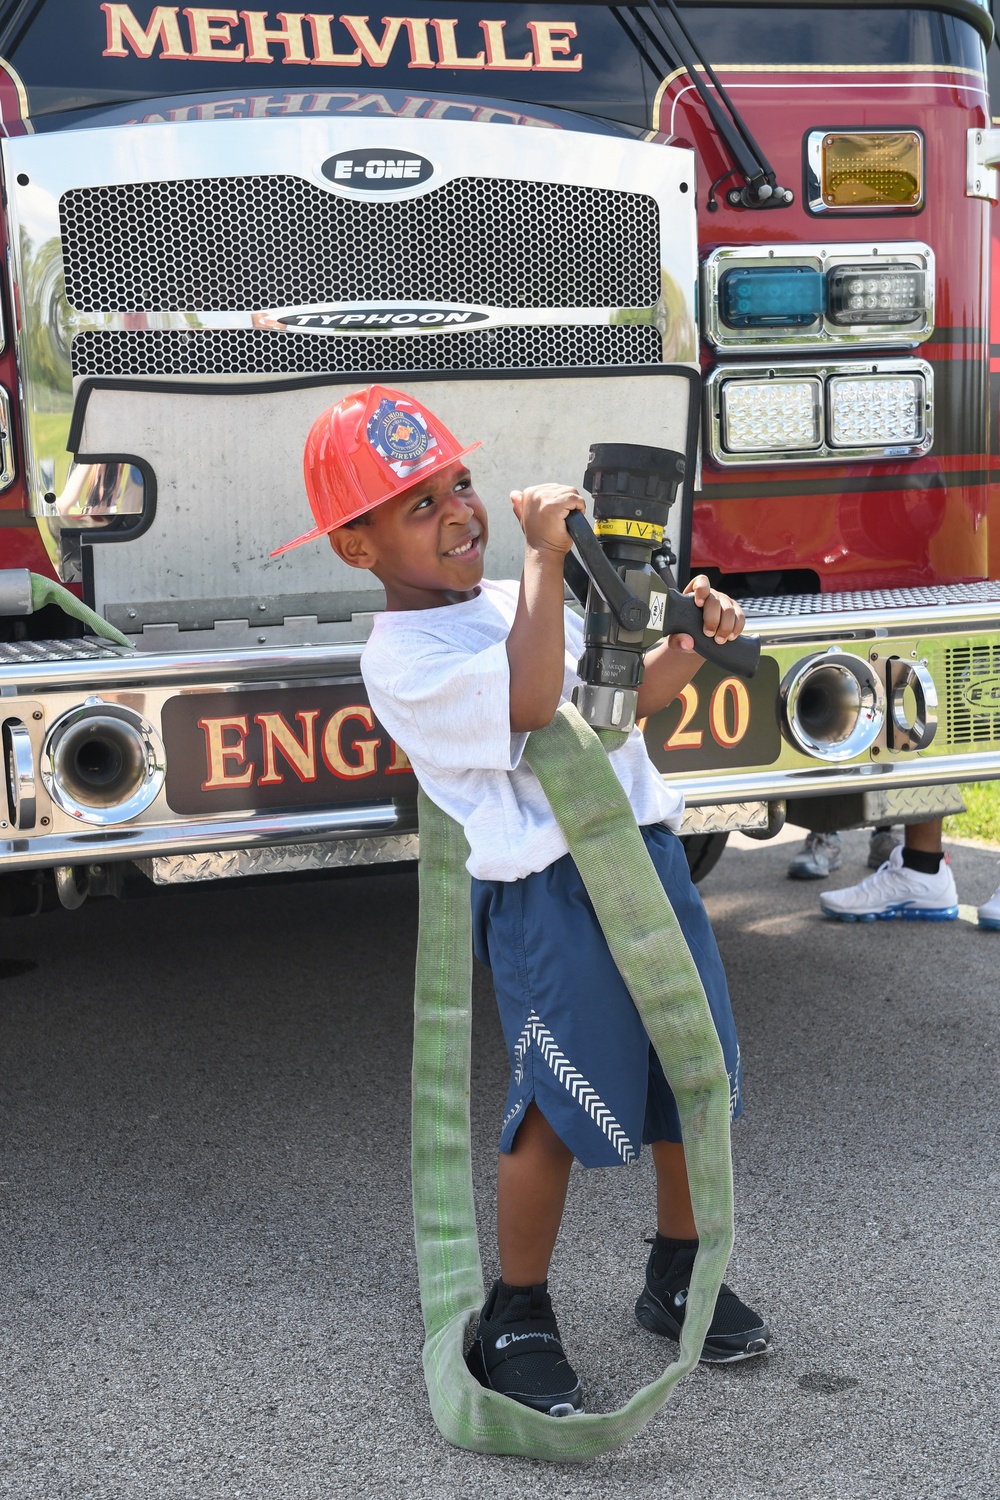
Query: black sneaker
[[736, 1331], [519, 1353]]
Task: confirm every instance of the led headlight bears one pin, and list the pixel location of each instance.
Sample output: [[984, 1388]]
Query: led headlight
[[863, 294], [819, 413], [771, 415], [866, 410]]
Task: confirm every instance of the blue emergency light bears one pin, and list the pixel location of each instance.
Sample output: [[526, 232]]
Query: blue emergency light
[[772, 297]]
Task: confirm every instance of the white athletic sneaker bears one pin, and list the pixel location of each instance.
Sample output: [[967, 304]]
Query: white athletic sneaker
[[895, 891], [819, 856], [989, 913]]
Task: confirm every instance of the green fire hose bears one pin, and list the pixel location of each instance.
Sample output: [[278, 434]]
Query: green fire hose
[[45, 591], [647, 945]]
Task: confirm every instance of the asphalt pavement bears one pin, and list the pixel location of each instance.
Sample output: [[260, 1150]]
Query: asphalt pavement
[[209, 1286]]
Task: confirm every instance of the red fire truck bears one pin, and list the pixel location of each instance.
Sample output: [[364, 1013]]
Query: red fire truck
[[755, 232]]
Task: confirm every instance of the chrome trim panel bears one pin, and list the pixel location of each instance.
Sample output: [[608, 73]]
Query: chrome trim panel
[[726, 817], [193, 836], [982, 157], [824, 333], [281, 859], [22, 781], [121, 668], [826, 452], [810, 782], [913, 804], [224, 502]]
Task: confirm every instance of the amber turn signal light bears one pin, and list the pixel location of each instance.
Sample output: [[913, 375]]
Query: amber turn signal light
[[872, 169]]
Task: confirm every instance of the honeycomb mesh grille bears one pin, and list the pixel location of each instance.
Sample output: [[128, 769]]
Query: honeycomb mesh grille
[[244, 244], [253, 352], [972, 688]]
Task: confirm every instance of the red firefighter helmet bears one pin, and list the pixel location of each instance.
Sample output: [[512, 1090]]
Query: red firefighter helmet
[[372, 445]]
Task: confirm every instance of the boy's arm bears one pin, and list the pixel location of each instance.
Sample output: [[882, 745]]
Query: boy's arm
[[536, 645], [671, 664]]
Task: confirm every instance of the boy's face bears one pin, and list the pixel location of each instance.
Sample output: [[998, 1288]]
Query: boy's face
[[425, 545]]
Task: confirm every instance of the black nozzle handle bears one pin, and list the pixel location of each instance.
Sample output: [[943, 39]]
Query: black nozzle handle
[[631, 612], [683, 616]]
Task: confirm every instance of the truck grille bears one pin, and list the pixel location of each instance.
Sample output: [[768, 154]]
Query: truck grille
[[245, 244], [972, 675], [249, 352]]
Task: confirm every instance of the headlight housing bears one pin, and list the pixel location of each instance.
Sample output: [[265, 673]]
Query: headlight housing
[[867, 294], [804, 413]]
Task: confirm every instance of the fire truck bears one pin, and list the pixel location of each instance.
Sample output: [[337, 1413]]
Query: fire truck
[[754, 233]]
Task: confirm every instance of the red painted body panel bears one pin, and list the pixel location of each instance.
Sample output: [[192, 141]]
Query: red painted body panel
[[931, 526]]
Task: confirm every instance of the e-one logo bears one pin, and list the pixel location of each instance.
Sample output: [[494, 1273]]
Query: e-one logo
[[377, 171], [982, 694]]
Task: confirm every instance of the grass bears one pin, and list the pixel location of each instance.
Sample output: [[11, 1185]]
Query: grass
[[981, 820]]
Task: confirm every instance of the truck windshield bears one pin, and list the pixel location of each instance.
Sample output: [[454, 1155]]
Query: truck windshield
[[77, 62]]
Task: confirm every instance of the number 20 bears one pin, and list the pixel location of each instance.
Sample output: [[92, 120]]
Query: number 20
[[730, 690]]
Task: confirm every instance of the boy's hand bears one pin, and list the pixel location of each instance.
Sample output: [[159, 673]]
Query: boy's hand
[[541, 513], [723, 618]]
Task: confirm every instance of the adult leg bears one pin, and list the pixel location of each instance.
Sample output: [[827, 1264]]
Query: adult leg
[[820, 856], [924, 838], [915, 883]]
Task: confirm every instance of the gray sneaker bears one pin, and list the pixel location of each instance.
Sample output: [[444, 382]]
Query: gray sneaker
[[819, 857], [881, 845]]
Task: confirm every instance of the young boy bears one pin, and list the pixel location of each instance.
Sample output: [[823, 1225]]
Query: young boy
[[460, 670]]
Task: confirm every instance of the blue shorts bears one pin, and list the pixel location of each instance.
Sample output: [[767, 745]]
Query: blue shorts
[[577, 1046]]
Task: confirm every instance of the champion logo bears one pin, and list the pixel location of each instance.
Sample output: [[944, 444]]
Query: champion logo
[[506, 1339]]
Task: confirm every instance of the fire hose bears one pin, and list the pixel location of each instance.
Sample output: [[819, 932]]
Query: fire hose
[[571, 761], [24, 593]]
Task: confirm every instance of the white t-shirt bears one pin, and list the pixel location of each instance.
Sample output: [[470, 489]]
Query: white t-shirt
[[438, 679]]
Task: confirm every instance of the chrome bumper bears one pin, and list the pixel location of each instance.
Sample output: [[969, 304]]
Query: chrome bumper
[[954, 632]]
